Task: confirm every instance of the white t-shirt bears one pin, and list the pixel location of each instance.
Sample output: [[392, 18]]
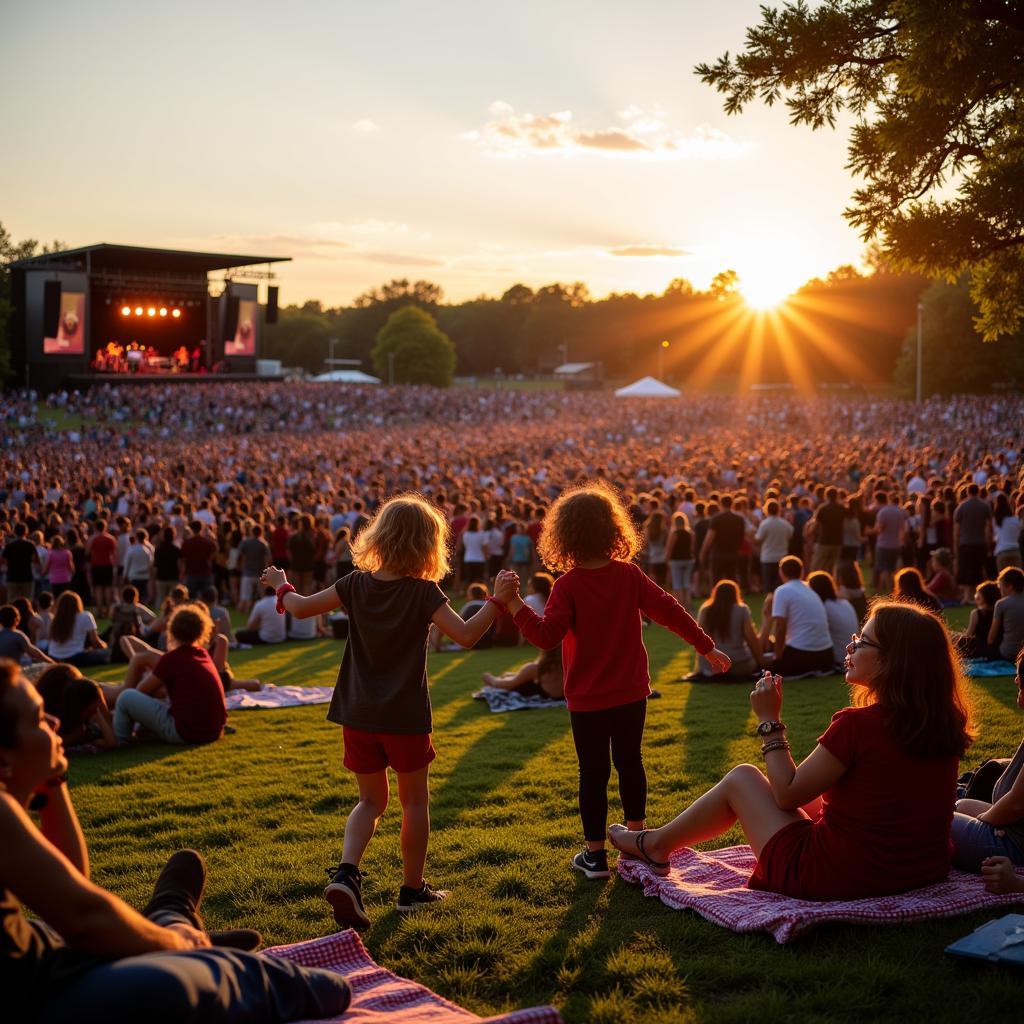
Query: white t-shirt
[[301, 629], [536, 602], [272, 627], [75, 644], [475, 545], [773, 535], [804, 612], [842, 624], [496, 542], [1007, 534]]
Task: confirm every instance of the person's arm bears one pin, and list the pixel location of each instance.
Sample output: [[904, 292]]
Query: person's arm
[[301, 607], [752, 639], [999, 875], [779, 631], [997, 625], [37, 655], [1009, 807], [107, 740], [88, 918], [705, 548], [972, 624], [59, 823], [94, 641], [668, 612], [465, 632], [151, 684], [548, 630]]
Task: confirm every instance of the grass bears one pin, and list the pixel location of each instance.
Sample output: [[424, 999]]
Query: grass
[[267, 807]]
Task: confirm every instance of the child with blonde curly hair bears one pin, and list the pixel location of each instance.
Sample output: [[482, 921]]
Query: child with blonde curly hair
[[594, 612], [381, 700]]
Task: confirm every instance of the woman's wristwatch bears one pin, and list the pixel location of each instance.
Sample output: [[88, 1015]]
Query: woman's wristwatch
[[766, 728]]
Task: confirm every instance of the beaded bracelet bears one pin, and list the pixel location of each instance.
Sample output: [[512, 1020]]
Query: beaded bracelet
[[775, 745]]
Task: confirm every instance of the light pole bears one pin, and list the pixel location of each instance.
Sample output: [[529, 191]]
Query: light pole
[[661, 361], [920, 347]]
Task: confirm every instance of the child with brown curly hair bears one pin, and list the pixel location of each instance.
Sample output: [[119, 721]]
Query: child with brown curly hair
[[594, 612]]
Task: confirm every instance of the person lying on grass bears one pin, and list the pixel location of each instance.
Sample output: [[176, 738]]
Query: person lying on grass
[[984, 830], [188, 677], [868, 811], [382, 700], [90, 957], [79, 704]]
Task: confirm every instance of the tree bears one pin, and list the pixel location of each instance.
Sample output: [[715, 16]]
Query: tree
[[421, 352], [939, 133], [301, 337], [724, 285]]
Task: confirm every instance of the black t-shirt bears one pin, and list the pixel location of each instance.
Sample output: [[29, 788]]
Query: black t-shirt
[[382, 683], [682, 547], [729, 529], [301, 550], [830, 523], [165, 560], [19, 554]]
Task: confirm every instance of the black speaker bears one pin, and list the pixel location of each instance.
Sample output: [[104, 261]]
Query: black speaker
[[51, 308], [272, 305], [231, 319]]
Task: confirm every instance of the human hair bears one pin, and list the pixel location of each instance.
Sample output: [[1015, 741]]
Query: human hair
[[849, 576], [909, 583], [680, 521], [68, 608], [656, 527], [9, 673], [477, 592], [771, 508], [944, 557], [20, 529], [210, 596], [168, 535], [988, 591], [191, 624], [718, 616], [791, 568], [52, 684], [823, 585], [542, 582], [831, 494], [129, 594], [44, 600], [726, 501], [9, 616], [1013, 577], [473, 526], [57, 542], [587, 521], [408, 536], [920, 682]]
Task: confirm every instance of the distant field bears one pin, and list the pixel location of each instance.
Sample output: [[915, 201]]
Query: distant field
[[267, 807]]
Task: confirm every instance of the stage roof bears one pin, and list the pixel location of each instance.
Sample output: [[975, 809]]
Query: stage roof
[[106, 256]]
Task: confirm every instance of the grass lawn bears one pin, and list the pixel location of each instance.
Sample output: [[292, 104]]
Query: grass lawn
[[267, 806]]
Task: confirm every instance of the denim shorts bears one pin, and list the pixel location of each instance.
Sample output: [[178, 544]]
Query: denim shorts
[[682, 572], [975, 840]]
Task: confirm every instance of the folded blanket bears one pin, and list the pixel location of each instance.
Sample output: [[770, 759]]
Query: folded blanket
[[278, 697], [509, 700], [378, 995], [978, 668], [713, 883]]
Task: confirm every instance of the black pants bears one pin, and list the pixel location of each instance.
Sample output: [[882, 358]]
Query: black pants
[[795, 662], [202, 986], [621, 730]]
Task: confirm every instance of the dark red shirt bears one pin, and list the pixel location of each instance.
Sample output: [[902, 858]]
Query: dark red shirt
[[595, 614], [197, 697], [279, 543], [102, 550]]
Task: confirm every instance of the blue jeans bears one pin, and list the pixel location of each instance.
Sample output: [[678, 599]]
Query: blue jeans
[[975, 840], [152, 714]]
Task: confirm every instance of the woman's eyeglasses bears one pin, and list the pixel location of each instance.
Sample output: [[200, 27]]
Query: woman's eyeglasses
[[857, 641]]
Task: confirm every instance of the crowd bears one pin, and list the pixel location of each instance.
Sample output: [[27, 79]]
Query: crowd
[[288, 514]]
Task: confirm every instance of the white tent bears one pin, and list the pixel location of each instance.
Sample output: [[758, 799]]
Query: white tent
[[647, 387], [346, 377]]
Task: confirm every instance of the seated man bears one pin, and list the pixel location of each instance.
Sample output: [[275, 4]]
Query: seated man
[[798, 621], [266, 625], [188, 676], [13, 643], [91, 957]]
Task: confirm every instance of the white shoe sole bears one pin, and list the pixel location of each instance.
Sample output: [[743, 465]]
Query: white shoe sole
[[591, 874], [415, 908], [345, 906]]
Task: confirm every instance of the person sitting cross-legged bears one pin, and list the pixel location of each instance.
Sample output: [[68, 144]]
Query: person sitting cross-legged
[[867, 813], [89, 957], [795, 617]]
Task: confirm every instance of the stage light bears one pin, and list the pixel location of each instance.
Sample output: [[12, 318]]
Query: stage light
[[126, 311], [163, 311], [175, 313], [151, 311], [138, 311]]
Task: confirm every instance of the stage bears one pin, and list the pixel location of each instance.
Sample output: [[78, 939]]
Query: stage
[[80, 381]]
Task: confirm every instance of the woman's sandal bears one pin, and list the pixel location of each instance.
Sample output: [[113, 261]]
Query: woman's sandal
[[658, 867]]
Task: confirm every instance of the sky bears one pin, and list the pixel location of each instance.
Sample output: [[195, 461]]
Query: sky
[[473, 144]]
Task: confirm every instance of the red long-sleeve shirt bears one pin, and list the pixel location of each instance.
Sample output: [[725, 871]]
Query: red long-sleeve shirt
[[596, 615]]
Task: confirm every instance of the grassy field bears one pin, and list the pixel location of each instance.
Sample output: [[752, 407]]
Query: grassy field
[[267, 807]]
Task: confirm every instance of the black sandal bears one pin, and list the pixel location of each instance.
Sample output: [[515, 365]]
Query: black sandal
[[659, 867]]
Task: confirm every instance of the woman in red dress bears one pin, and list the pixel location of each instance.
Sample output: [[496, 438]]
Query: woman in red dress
[[868, 812]]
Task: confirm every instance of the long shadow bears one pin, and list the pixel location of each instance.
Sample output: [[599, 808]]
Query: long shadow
[[715, 715]]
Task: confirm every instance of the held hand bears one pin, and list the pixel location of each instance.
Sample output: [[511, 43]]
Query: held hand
[[506, 586], [193, 938], [718, 660], [999, 876], [766, 698], [273, 577]]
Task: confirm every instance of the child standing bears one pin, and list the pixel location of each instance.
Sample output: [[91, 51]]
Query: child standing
[[381, 699], [594, 612]]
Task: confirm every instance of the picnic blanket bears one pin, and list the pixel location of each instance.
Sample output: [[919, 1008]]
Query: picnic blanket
[[278, 697], [378, 995], [978, 668], [509, 700], [713, 883]]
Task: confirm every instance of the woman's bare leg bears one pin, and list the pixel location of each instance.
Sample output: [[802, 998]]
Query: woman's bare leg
[[132, 645], [744, 795], [527, 674], [252, 685], [142, 662], [219, 652]]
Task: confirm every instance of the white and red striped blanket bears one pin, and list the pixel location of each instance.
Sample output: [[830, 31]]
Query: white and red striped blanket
[[380, 997], [713, 883]]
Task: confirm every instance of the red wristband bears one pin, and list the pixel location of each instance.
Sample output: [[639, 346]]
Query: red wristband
[[285, 588], [500, 605]]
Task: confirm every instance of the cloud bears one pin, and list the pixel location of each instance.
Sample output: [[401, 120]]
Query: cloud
[[398, 259], [643, 134], [370, 226], [647, 251], [365, 126], [308, 246]]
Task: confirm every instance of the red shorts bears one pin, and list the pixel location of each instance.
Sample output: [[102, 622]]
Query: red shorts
[[370, 752]]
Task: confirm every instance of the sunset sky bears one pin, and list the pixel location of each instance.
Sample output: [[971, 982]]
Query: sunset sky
[[471, 144]]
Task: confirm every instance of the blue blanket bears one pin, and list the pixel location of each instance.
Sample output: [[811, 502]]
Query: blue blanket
[[978, 668]]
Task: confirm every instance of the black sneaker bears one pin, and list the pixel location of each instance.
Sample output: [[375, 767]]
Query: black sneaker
[[345, 895], [410, 900], [593, 863]]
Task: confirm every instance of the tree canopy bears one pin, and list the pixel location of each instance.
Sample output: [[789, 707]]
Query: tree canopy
[[938, 139], [420, 351]]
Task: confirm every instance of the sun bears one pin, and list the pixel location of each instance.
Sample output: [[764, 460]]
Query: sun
[[764, 290]]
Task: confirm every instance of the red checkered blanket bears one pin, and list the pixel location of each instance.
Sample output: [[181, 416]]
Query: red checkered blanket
[[382, 997], [714, 884]]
